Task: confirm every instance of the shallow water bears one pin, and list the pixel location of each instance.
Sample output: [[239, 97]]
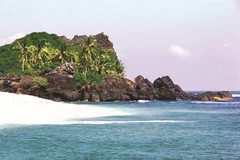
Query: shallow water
[[117, 130]]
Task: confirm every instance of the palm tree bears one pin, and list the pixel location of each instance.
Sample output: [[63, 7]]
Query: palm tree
[[104, 64], [88, 54], [46, 54], [39, 55], [119, 67], [25, 55], [66, 53]]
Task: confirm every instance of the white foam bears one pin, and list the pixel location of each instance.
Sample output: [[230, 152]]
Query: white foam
[[143, 101], [236, 95], [123, 122], [25, 109]]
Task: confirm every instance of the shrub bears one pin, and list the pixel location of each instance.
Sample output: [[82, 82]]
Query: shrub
[[80, 79], [29, 71], [39, 82], [90, 78], [93, 78]]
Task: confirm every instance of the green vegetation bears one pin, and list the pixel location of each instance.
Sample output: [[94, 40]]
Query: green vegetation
[[9, 62], [90, 78], [39, 82], [37, 51]]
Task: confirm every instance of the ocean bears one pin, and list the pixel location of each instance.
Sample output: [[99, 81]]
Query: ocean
[[36, 129]]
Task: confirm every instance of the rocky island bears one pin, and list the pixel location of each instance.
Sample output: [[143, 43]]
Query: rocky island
[[85, 68]]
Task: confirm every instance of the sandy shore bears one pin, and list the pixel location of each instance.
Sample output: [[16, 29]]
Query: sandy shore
[[25, 109]]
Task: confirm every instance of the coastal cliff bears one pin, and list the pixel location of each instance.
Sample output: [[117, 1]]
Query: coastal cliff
[[85, 68]]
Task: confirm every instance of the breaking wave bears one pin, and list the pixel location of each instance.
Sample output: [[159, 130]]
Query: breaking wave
[[123, 122], [236, 95]]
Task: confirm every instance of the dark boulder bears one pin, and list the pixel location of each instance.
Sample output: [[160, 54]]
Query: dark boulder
[[61, 83], [9, 83], [144, 88], [95, 97], [165, 82]]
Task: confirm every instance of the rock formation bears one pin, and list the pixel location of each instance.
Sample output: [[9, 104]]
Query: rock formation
[[61, 87], [102, 41], [61, 84], [122, 89]]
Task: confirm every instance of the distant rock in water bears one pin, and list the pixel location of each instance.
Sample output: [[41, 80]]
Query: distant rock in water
[[213, 96]]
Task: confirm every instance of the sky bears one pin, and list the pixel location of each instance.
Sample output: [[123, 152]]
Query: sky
[[195, 42]]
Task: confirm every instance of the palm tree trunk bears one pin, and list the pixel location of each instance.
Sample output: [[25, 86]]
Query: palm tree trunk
[[23, 65]]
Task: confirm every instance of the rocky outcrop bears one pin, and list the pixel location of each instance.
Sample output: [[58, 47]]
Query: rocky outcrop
[[102, 41], [64, 38], [144, 88], [61, 87], [166, 89], [61, 84], [111, 89], [79, 40], [119, 88], [213, 96], [9, 83]]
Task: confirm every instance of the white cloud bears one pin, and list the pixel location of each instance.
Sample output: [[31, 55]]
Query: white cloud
[[11, 39], [179, 51]]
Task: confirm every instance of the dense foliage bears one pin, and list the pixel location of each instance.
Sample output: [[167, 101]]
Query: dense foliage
[[37, 51], [9, 62]]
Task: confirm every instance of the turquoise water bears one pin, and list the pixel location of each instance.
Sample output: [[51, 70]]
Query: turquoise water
[[149, 130]]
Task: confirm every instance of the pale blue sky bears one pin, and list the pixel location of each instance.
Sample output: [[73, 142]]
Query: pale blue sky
[[196, 42]]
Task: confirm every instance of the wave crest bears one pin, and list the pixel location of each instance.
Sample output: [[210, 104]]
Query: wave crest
[[236, 95], [123, 122]]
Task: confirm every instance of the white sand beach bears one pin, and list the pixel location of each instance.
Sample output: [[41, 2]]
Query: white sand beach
[[25, 109]]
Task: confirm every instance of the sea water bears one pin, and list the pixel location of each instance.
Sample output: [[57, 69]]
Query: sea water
[[33, 128]]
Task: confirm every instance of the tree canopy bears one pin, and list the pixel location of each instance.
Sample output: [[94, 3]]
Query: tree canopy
[[40, 50]]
